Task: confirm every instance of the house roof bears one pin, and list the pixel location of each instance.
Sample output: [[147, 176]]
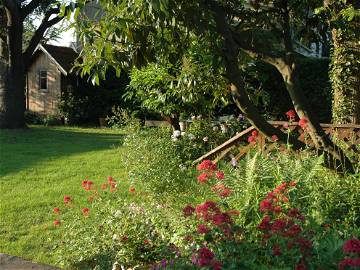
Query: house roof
[[63, 57]]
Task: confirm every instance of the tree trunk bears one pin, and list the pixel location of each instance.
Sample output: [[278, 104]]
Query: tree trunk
[[238, 91], [334, 156], [12, 72]]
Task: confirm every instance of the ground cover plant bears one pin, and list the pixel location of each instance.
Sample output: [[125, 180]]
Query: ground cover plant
[[280, 211], [37, 166]]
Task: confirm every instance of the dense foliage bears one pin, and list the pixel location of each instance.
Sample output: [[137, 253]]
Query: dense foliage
[[279, 211]]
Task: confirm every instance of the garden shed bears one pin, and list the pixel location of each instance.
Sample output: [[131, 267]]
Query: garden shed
[[48, 76]]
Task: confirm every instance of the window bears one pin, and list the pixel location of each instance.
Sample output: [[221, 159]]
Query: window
[[43, 82]]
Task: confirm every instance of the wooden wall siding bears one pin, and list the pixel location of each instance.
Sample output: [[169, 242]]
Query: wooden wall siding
[[41, 101]]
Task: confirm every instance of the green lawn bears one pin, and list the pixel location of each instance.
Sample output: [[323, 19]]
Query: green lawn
[[38, 166]]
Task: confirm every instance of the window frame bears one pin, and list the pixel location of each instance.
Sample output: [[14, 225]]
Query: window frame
[[42, 78]]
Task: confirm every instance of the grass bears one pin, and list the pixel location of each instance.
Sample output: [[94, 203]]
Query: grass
[[38, 166]]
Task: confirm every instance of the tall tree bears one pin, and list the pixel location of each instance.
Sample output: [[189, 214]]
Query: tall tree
[[14, 58], [265, 32]]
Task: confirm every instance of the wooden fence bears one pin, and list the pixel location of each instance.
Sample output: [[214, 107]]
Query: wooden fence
[[237, 147]]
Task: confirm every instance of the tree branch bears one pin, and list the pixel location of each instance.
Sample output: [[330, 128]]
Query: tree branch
[[13, 8], [29, 8], [39, 33]]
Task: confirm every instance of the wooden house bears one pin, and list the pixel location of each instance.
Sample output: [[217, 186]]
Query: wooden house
[[48, 77]]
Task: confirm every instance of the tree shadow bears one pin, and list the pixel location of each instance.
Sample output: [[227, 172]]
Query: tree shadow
[[21, 149]]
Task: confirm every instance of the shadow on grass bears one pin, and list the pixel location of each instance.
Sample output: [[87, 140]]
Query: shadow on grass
[[20, 149]]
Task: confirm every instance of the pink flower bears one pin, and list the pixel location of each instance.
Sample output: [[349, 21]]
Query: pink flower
[[286, 125], [202, 178], [291, 114], [206, 165], [274, 138], [219, 175], [255, 133], [251, 139], [56, 210], [303, 123]]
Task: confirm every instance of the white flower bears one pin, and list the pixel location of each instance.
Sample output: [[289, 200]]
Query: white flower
[[193, 117], [215, 128], [206, 139], [191, 136], [199, 117], [233, 162], [177, 133]]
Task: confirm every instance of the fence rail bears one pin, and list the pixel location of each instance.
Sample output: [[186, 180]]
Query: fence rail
[[237, 147]]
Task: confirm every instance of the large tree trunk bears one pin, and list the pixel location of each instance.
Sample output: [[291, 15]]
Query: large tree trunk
[[334, 156], [12, 71]]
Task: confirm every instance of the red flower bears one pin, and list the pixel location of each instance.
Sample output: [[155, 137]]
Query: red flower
[[205, 256], [103, 186], [293, 183], [202, 178], [217, 265], [277, 209], [255, 133], [274, 138], [276, 250], [87, 185], [111, 180], [286, 125], [291, 114], [251, 139], [56, 222], [265, 223], [352, 246], [206, 165], [300, 266], [280, 188], [188, 210], [219, 175], [278, 225], [85, 211], [56, 210], [303, 123], [202, 228], [352, 262], [132, 190], [146, 242], [221, 218], [265, 205], [67, 199]]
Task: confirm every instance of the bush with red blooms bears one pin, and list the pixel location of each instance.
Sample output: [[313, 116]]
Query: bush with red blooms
[[282, 226], [352, 250]]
